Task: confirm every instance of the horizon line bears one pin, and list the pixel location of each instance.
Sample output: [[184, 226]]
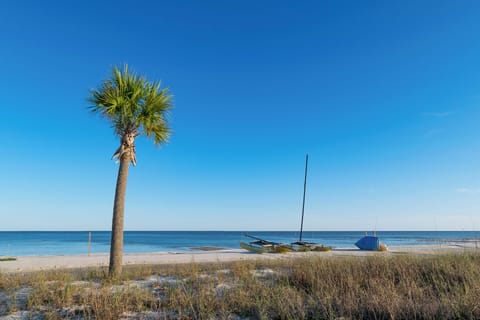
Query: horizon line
[[357, 230]]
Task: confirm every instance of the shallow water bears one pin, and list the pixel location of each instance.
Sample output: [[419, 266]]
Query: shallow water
[[27, 243]]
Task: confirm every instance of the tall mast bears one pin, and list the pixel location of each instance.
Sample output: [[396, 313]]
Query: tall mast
[[304, 191]]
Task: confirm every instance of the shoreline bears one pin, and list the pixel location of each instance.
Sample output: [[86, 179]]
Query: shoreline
[[54, 262]]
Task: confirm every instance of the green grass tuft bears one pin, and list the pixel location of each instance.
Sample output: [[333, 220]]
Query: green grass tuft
[[8, 259]]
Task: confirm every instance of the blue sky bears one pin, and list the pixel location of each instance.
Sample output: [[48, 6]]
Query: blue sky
[[383, 95]]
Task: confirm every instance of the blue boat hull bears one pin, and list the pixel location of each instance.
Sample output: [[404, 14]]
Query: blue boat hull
[[370, 243]]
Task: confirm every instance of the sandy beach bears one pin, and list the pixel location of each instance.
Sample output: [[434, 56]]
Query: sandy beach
[[37, 263], [161, 291]]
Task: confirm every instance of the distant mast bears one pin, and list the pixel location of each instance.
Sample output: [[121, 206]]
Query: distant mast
[[304, 191]]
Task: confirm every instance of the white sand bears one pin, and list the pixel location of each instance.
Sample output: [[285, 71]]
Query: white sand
[[35, 263]]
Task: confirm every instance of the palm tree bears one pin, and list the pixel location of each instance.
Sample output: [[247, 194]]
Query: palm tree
[[134, 106]]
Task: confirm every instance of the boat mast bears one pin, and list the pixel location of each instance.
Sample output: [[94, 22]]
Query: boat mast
[[304, 191]]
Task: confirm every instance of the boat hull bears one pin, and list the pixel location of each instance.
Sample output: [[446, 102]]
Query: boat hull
[[252, 248], [370, 243], [282, 249], [309, 246], [276, 248]]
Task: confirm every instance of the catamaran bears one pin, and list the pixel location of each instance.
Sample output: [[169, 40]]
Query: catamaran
[[264, 246], [301, 245]]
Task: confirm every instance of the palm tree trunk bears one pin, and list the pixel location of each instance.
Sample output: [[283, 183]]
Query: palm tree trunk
[[116, 245]]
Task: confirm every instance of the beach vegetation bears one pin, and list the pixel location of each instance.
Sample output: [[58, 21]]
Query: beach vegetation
[[133, 106], [8, 259], [309, 287]]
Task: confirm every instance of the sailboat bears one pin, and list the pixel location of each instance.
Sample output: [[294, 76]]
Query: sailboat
[[301, 245], [371, 243], [259, 245]]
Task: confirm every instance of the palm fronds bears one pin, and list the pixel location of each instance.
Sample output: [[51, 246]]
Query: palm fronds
[[133, 105]]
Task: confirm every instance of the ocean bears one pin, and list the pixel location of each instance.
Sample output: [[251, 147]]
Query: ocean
[[37, 243]]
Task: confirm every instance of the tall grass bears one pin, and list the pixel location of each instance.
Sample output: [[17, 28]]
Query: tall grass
[[313, 287]]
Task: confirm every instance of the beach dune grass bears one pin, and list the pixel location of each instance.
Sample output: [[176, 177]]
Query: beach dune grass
[[7, 259], [379, 287]]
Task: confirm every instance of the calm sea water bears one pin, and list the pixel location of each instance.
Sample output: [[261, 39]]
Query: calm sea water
[[20, 243]]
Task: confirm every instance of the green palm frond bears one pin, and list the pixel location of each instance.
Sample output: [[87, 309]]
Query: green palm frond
[[132, 104], [152, 118]]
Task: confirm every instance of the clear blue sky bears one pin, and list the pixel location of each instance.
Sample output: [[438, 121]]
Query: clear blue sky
[[383, 95]]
